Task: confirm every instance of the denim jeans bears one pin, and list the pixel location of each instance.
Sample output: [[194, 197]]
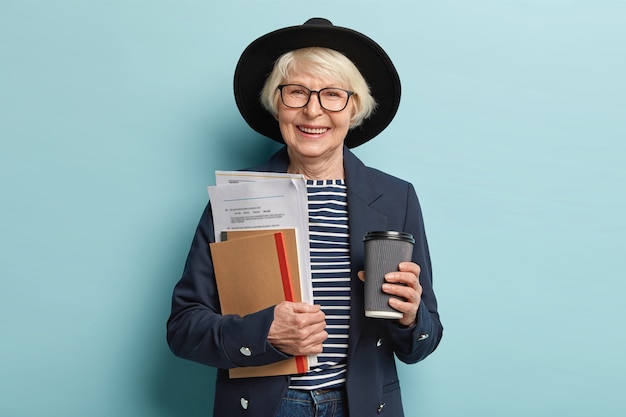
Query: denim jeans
[[317, 403]]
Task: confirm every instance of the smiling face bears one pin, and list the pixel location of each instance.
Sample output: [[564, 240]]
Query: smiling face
[[313, 135]]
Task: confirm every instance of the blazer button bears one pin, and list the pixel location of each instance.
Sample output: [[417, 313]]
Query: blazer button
[[245, 351], [379, 342], [423, 336], [380, 408], [244, 403]]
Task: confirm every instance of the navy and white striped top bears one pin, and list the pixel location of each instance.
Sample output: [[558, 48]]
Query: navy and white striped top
[[330, 270]]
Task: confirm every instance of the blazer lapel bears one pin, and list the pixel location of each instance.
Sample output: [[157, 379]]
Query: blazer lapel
[[362, 192]]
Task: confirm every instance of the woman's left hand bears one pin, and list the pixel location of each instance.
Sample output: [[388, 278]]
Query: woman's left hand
[[410, 291]]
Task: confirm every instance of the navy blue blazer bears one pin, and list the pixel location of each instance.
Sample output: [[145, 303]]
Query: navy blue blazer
[[197, 331]]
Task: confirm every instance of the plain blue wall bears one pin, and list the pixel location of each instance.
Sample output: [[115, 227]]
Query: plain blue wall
[[115, 114]]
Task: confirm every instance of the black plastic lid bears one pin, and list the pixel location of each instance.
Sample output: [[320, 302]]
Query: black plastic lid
[[405, 237]]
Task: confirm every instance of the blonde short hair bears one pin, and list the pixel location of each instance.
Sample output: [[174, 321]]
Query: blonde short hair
[[323, 63]]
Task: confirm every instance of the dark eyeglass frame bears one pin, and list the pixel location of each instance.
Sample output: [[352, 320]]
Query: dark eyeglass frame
[[281, 86]]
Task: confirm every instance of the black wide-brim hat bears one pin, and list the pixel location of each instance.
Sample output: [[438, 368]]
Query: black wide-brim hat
[[257, 62]]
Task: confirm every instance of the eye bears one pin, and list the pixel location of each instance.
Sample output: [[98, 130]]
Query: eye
[[296, 90], [334, 94]]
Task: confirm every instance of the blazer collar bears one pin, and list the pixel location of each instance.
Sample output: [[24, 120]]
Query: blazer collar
[[358, 179]]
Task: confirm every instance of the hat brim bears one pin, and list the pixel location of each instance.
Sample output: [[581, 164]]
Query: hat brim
[[257, 61]]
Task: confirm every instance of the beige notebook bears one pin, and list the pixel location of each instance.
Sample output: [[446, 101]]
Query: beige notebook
[[255, 270]]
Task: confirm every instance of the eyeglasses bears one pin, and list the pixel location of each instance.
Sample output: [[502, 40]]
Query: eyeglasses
[[297, 96]]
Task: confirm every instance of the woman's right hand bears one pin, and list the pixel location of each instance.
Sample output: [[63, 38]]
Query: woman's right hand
[[298, 329]]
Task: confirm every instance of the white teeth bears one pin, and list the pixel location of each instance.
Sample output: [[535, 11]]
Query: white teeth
[[316, 131]]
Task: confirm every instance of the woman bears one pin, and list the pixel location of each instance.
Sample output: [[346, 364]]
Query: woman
[[329, 89]]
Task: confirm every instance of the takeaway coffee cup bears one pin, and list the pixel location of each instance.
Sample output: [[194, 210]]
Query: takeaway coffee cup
[[383, 253]]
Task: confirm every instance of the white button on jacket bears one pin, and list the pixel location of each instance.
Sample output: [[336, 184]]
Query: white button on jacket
[[244, 403]]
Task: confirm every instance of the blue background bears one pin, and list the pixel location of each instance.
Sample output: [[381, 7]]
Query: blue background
[[114, 116]]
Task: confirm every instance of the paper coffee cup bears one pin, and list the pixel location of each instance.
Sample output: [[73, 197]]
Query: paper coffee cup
[[384, 251]]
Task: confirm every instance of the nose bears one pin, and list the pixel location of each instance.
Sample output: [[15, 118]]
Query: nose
[[313, 107]]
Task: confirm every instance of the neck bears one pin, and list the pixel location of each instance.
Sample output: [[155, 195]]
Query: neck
[[317, 168]]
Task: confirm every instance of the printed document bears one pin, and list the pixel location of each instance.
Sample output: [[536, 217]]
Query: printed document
[[245, 200]]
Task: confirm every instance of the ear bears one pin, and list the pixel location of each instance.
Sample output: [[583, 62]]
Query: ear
[[354, 106], [352, 121]]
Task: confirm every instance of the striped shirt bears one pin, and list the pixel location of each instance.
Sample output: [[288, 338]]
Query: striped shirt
[[330, 273]]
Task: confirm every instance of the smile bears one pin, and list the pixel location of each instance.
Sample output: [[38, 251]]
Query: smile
[[313, 131]]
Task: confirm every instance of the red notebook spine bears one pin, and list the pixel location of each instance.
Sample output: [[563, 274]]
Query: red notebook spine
[[284, 266], [287, 286]]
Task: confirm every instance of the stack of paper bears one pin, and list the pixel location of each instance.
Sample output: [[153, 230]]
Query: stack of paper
[[261, 254]]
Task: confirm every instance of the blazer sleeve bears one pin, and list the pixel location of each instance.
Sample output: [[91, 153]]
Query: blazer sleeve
[[416, 343], [196, 330]]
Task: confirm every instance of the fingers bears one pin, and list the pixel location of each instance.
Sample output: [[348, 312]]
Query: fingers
[[404, 284], [299, 315], [305, 307], [298, 329], [410, 267], [408, 274]]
